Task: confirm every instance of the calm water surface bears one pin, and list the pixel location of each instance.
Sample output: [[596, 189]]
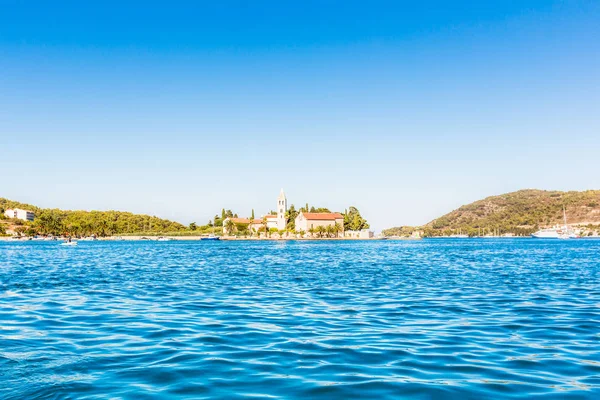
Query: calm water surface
[[300, 320]]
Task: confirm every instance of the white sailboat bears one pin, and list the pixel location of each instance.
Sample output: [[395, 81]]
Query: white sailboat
[[557, 231]]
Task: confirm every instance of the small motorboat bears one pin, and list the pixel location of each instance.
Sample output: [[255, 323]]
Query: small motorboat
[[68, 244], [211, 237], [163, 239]]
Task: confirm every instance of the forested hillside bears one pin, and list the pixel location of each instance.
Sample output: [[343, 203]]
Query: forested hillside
[[82, 223], [520, 213]]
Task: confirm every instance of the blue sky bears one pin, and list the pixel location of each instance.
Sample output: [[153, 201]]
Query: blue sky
[[404, 110]]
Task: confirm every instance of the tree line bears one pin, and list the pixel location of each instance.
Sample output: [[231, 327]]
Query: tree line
[[110, 223]]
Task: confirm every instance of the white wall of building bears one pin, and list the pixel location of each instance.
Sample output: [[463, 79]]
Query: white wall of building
[[303, 224], [281, 210], [272, 223], [255, 226], [19, 214]]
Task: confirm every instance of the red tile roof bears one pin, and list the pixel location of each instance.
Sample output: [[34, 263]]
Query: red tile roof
[[270, 216], [323, 216]]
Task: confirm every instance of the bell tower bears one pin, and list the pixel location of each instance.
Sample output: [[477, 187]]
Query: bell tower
[[281, 210]]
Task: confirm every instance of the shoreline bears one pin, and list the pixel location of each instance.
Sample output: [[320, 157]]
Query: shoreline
[[148, 238]]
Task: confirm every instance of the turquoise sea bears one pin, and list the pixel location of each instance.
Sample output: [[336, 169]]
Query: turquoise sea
[[447, 318]]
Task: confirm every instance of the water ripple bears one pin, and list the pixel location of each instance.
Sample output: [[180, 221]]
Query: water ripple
[[429, 319]]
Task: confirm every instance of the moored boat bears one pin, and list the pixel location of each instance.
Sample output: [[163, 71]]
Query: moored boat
[[211, 237], [557, 231], [548, 233]]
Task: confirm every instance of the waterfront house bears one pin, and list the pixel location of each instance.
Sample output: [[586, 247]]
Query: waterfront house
[[272, 221], [17, 213], [306, 221]]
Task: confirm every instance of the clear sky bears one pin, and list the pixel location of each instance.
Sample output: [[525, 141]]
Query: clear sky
[[405, 109]]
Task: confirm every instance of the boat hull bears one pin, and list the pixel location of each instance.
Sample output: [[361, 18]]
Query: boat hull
[[545, 235], [554, 235]]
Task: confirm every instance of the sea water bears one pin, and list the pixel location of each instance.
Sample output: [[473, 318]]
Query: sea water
[[462, 318]]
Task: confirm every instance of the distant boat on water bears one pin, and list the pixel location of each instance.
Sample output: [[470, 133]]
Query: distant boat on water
[[548, 233], [211, 237], [557, 231]]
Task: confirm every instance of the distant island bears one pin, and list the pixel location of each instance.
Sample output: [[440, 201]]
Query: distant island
[[21, 219], [518, 213]]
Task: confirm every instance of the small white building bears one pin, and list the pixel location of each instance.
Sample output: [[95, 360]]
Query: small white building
[[17, 213], [307, 221], [272, 221]]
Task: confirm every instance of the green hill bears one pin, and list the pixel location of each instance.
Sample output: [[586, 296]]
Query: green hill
[[83, 223], [520, 213]]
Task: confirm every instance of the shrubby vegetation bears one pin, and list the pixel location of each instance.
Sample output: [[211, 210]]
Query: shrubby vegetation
[[520, 213], [403, 231], [353, 221], [329, 231], [84, 223]]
